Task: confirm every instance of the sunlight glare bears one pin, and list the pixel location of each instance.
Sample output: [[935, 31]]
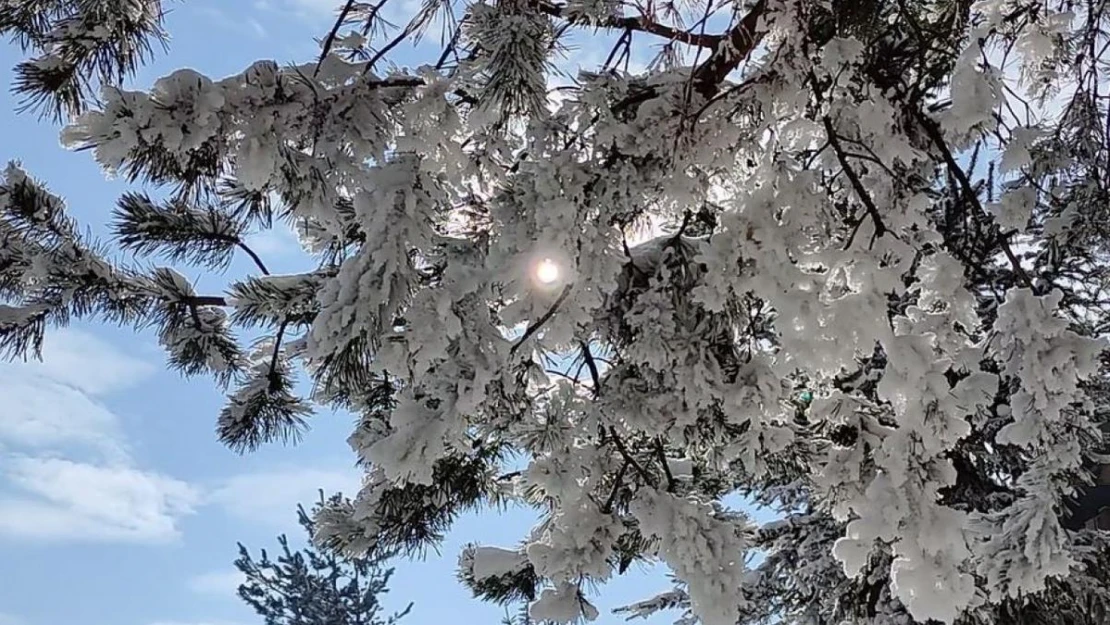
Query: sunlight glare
[[547, 272]]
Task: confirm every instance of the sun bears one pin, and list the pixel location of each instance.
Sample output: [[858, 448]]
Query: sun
[[547, 272]]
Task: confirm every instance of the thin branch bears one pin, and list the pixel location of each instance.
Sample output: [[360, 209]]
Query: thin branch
[[413, 82], [196, 301], [741, 40], [618, 481], [206, 300], [933, 131], [853, 177], [449, 49], [195, 315], [539, 323], [330, 40], [271, 375], [408, 30], [405, 81], [588, 358], [734, 89], [649, 478], [257, 261], [640, 24], [688, 88], [666, 467], [686, 217], [623, 43], [855, 230]]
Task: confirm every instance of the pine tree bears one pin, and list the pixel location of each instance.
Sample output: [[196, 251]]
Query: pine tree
[[846, 259], [309, 587]]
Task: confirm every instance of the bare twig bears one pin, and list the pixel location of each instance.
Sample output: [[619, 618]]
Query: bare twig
[[396, 41], [257, 260], [271, 375], [539, 323], [853, 177], [619, 444], [588, 358], [659, 451], [330, 40], [738, 44], [933, 131], [206, 300], [618, 481], [449, 49], [686, 217], [640, 24]]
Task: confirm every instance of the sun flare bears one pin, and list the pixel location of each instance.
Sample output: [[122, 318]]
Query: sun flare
[[547, 272]]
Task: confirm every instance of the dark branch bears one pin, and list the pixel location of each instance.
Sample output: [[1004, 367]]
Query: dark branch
[[539, 323], [206, 300], [257, 260], [330, 40], [682, 227], [619, 444], [406, 81], [741, 40], [933, 131], [853, 177], [607, 507], [588, 358], [640, 24], [272, 374], [662, 453]]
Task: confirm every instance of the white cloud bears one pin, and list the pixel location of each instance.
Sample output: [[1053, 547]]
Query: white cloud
[[316, 10], [66, 474], [50, 403], [257, 27], [318, 6], [279, 240], [223, 583], [271, 497], [83, 361], [67, 500], [235, 23], [10, 619], [395, 12], [65, 471], [41, 413]]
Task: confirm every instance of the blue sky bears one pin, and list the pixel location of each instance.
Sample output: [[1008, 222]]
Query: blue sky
[[117, 504]]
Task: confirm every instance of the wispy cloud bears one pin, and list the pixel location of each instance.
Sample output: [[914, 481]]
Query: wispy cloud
[[65, 470], [270, 497], [237, 23], [277, 241], [316, 6], [10, 619], [67, 475], [87, 363], [52, 404], [41, 413], [217, 622], [397, 12], [222, 583], [256, 27], [82, 501]]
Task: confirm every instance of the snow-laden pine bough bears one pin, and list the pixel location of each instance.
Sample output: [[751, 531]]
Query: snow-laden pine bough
[[844, 259]]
